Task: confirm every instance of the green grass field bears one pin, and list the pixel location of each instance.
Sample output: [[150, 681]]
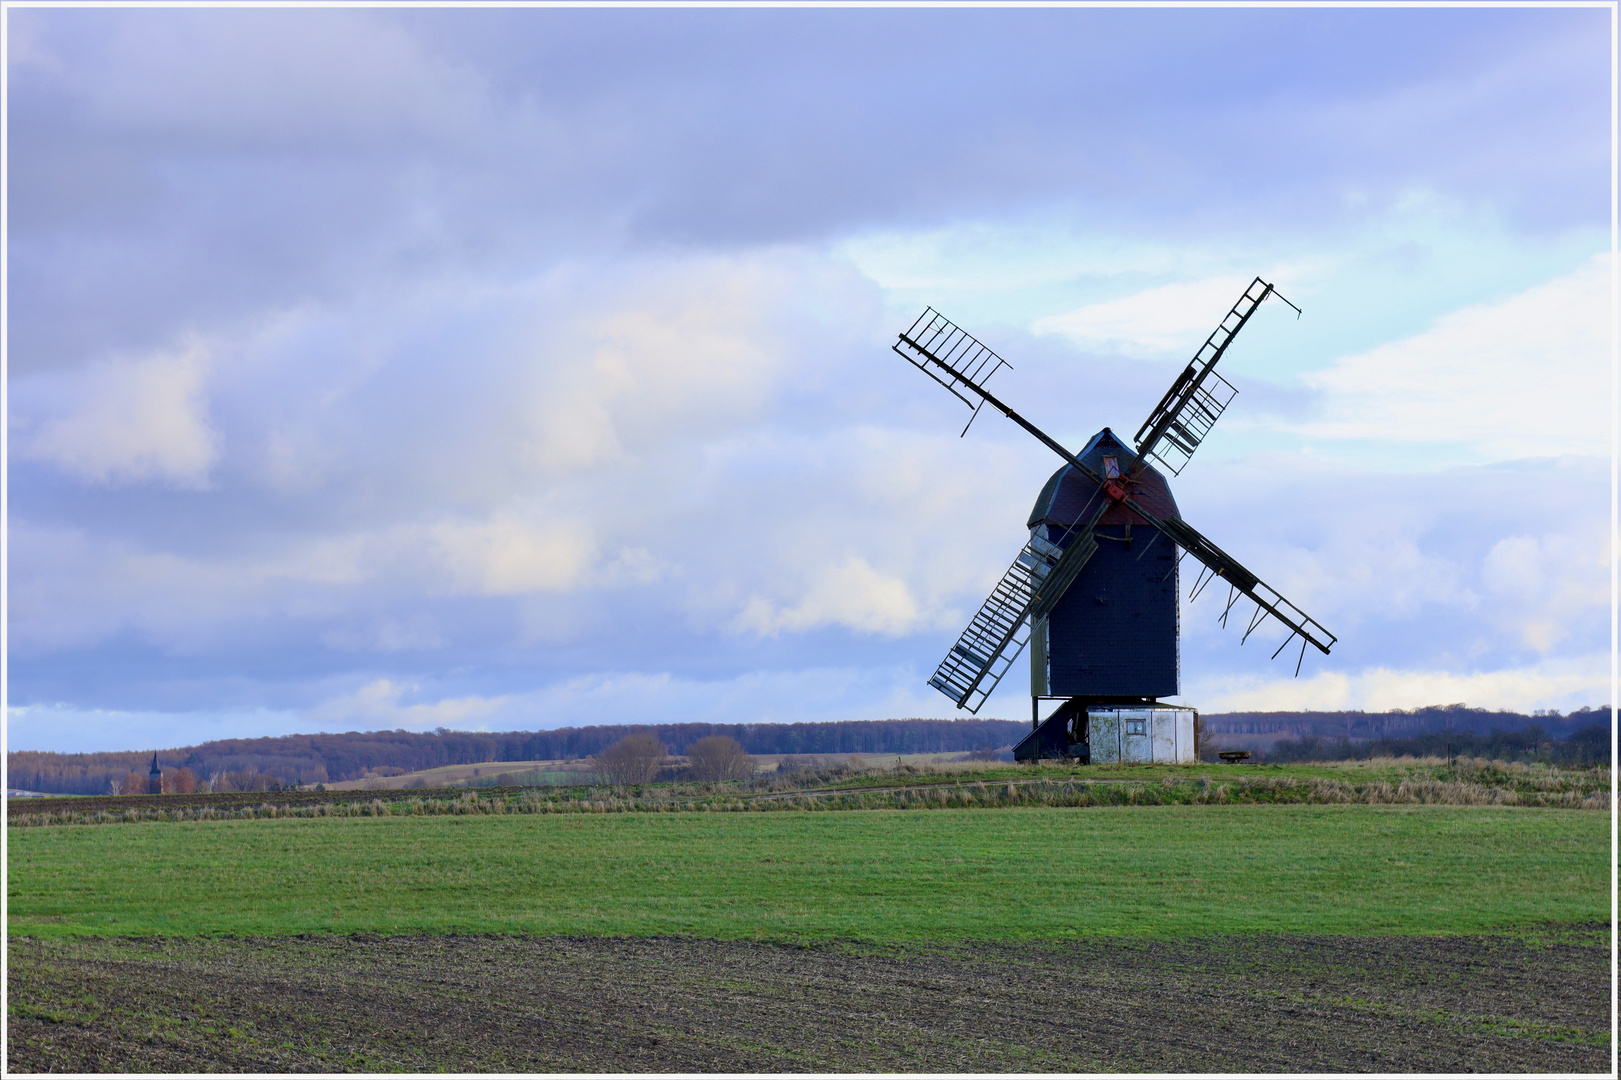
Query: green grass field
[[904, 876]]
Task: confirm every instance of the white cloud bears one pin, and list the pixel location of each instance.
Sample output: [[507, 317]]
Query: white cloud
[[69, 729], [850, 594], [414, 633], [377, 705], [1011, 257], [1562, 683], [81, 588], [124, 420], [1538, 583], [1461, 573], [682, 350], [1172, 319], [864, 692], [505, 556], [720, 510], [805, 695], [255, 75], [25, 49], [1524, 377]]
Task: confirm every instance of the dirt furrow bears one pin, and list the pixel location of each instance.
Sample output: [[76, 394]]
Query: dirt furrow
[[485, 1003]]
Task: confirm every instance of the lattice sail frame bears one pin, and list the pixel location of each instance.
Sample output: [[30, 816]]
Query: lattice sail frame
[[1198, 397], [1028, 591]]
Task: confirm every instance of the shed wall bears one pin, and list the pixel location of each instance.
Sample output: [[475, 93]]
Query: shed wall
[[1141, 736]]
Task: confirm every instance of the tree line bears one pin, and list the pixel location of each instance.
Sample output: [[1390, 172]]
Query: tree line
[[270, 763], [1401, 723], [1583, 748]]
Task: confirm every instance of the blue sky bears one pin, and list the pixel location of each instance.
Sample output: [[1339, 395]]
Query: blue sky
[[521, 368]]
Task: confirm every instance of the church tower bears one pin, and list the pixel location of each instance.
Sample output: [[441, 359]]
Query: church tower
[[154, 779]]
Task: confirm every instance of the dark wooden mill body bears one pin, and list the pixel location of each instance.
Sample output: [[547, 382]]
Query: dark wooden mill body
[[1114, 635], [1095, 591]]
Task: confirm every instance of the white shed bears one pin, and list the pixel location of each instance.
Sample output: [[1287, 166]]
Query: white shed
[[1141, 735]]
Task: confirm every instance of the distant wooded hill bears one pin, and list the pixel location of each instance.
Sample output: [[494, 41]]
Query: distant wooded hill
[[1580, 738], [255, 764], [258, 764], [1399, 723]]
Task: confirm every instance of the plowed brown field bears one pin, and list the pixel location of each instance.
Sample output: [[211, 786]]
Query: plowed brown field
[[480, 1003]]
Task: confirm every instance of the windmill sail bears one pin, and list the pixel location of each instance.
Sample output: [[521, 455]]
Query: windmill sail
[[1190, 408], [949, 355], [1037, 579], [1000, 629], [1268, 601]]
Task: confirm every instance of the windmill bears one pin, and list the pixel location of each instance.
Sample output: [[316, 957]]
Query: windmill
[[1096, 601]]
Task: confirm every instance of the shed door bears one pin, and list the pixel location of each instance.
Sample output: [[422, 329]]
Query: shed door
[[1136, 736]]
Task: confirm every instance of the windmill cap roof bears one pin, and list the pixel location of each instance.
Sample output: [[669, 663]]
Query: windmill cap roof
[[1069, 496]]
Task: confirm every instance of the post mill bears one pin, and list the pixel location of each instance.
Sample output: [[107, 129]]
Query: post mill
[[1094, 593]]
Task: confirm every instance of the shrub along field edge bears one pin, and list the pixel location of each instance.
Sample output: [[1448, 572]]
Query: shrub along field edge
[[1565, 791]]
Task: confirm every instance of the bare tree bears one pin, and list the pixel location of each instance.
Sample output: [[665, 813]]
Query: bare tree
[[181, 782], [635, 759], [134, 784], [719, 757], [248, 779]]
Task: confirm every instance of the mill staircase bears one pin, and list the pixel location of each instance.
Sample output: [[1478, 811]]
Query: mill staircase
[[998, 633]]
